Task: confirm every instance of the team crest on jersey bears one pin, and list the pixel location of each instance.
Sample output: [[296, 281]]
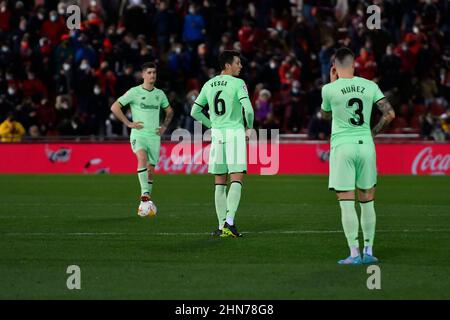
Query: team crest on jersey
[[157, 98], [143, 98]]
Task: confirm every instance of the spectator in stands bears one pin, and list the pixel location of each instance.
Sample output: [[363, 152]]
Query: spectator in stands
[[263, 108], [164, 24], [98, 111], [289, 70], [365, 65], [194, 27], [430, 127], [33, 132], [325, 59], [429, 89], [53, 28], [5, 17], [64, 52], [46, 116], [126, 80], [186, 120], [11, 130], [389, 69], [33, 87], [318, 128], [445, 123], [247, 37]]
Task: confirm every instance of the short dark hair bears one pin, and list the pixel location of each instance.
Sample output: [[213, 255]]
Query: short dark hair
[[343, 53], [148, 65], [227, 56]]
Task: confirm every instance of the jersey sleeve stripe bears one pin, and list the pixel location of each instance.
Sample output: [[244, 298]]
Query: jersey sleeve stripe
[[243, 98], [199, 105], [379, 100]]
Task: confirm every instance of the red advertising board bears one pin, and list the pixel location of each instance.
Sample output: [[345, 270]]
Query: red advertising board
[[284, 158]]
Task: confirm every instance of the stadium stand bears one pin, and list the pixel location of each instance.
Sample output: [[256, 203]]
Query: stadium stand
[[61, 83]]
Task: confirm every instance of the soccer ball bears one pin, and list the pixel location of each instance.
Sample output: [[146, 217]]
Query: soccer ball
[[147, 209]]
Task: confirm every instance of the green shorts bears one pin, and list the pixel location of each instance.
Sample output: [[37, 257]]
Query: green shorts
[[150, 145], [228, 153], [352, 165]]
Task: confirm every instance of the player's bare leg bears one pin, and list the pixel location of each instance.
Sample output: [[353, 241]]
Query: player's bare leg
[[142, 170], [368, 222], [233, 199], [350, 224], [220, 197]]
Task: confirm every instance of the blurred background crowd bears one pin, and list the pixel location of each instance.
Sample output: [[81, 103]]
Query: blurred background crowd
[[58, 82]]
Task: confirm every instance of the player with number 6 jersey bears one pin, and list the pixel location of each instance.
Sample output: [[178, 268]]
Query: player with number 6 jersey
[[226, 95]]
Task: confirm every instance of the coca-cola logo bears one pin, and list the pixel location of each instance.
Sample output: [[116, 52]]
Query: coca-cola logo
[[174, 164], [426, 162]]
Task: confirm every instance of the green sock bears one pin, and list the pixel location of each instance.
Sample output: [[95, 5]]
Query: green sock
[[368, 221], [142, 175], [221, 203], [350, 222], [150, 186], [233, 198]]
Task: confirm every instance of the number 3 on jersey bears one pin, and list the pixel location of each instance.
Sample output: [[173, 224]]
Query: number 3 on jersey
[[218, 101], [359, 121]]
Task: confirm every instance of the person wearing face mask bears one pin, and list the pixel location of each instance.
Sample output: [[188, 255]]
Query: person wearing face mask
[[107, 79], [270, 75], [64, 51], [6, 55], [194, 27], [13, 95], [53, 28], [98, 112], [406, 56], [64, 80], [83, 84], [174, 58], [390, 69]]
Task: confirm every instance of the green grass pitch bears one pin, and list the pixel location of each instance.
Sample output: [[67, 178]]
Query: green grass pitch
[[293, 238]]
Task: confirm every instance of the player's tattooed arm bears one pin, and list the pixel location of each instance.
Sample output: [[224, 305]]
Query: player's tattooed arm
[[388, 115], [167, 120], [325, 114]]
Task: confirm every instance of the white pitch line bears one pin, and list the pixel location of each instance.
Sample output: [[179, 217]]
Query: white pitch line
[[429, 230]]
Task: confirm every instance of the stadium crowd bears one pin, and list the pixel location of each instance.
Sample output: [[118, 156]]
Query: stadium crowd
[[60, 82]]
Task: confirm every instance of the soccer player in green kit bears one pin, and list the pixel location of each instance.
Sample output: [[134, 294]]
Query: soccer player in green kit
[[145, 102], [348, 100], [226, 96]]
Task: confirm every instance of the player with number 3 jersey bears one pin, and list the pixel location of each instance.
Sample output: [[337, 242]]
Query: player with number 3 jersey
[[348, 100]]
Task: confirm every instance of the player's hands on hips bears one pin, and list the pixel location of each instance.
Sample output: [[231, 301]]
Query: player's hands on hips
[[136, 125], [160, 130], [248, 133]]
